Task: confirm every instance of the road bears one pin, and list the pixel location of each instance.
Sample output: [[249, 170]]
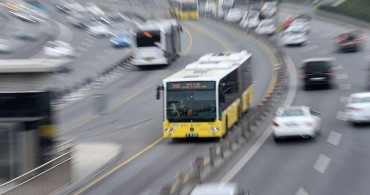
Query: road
[[135, 120], [334, 163]]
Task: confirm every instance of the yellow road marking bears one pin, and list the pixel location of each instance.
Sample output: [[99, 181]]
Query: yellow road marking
[[77, 125], [186, 52], [173, 188], [116, 168], [186, 177], [206, 161], [218, 150], [209, 35]]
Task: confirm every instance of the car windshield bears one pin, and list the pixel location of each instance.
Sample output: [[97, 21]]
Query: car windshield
[[360, 100], [296, 32], [317, 66], [292, 113]]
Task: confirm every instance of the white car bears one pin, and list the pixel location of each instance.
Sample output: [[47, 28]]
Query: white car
[[234, 15], [209, 7], [219, 189], [250, 19], [25, 15], [269, 9], [296, 121], [219, 13], [358, 108], [98, 29], [266, 27], [294, 36], [5, 46], [304, 24], [58, 49]]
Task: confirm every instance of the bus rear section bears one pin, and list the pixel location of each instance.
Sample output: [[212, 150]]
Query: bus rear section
[[150, 49], [189, 10]]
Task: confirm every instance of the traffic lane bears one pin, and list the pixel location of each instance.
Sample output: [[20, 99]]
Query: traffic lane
[[154, 108], [261, 62], [152, 179], [4, 20], [330, 100], [130, 83], [89, 64], [133, 144]]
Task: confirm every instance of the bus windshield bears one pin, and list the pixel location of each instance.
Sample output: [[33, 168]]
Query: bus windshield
[[147, 38], [191, 105], [189, 7]]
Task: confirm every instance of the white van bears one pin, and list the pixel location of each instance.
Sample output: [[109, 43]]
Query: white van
[[155, 44]]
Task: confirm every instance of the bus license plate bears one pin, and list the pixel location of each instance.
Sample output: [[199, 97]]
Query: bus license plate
[[192, 135]]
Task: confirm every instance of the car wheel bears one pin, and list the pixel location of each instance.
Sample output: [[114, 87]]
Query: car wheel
[[355, 124], [276, 139]]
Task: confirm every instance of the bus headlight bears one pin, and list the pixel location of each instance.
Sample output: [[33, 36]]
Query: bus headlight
[[214, 129], [169, 129]]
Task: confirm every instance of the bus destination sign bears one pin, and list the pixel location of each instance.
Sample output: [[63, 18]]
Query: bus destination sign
[[191, 85]]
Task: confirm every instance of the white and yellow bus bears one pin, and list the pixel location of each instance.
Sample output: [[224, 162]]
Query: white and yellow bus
[[207, 97], [184, 9]]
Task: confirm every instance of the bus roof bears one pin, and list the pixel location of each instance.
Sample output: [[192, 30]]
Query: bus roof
[[210, 67], [155, 25]]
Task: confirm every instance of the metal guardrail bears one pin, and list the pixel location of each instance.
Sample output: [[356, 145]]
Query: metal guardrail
[[202, 168], [44, 179]]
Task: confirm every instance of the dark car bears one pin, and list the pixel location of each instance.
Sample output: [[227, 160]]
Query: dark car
[[317, 72], [349, 41]]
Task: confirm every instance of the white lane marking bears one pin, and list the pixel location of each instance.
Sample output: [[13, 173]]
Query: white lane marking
[[342, 76], [322, 163], [138, 126], [301, 191], [345, 86], [256, 146], [342, 116], [334, 138], [124, 125], [344, 99], [86, 44], [338, 67]]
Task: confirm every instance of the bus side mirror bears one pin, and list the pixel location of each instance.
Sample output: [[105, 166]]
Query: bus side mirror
[[158, 94]]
